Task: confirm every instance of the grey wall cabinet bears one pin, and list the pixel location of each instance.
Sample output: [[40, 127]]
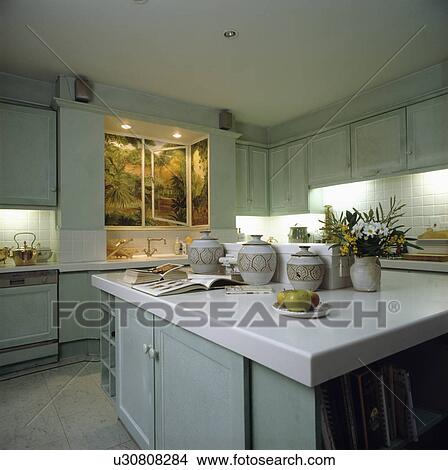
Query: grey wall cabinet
[[200, 393], [329, 157], [28, 175], [378, 145], [288, 177], [135, 373], [251, 181], [427, 125]]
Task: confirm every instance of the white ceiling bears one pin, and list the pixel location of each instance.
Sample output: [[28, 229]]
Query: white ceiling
[[151, 130], [291, 56]]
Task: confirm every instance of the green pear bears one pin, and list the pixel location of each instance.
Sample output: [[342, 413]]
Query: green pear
[[298, 300]]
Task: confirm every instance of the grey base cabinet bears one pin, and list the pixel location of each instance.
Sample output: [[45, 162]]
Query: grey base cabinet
[[135, 373], [200, 393], [176, 390]]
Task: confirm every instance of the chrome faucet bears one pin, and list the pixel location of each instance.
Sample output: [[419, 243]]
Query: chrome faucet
[[149, 252]]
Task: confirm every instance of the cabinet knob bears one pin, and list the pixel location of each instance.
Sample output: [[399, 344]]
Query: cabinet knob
[[150, 351], [53, 189]]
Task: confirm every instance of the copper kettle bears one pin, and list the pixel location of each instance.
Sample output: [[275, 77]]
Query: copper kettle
[[25, 255]]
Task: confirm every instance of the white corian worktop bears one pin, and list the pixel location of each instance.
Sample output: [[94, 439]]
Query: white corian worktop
[[432, 266], [112, 265], [310, 351]]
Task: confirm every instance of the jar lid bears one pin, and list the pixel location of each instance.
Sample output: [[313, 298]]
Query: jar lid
[[304, 251], [206, 235], [256, 240]]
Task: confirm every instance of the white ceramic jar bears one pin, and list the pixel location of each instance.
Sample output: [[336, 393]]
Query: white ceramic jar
[[365, 273], [257, 261], [305, 269], [204, 254]]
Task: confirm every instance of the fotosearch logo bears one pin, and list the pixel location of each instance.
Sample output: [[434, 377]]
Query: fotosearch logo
[[225, 314]]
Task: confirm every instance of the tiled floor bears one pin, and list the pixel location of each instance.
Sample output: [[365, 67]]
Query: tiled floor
[[62, 408]]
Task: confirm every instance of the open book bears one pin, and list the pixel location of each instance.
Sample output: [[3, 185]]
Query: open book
[[168, 271], [181, 286]]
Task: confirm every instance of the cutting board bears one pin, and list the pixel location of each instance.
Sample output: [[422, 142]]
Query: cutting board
[[425, 257]]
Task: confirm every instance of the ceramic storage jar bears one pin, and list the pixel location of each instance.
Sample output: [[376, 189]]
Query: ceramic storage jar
[[305, 269], [257, 261], [204, 254]]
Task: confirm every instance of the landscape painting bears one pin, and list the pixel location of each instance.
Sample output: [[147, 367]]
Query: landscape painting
[[199, 183], [168, 204], [123, 176]]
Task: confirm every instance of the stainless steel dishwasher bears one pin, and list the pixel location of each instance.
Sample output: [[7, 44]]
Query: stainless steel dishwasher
[[28, 319]]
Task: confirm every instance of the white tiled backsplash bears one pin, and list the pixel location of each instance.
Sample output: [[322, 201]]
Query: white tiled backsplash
[[41, 222], [425, 196], [82, 245]]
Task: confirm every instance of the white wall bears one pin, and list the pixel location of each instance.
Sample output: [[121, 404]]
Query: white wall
[[41, 222]]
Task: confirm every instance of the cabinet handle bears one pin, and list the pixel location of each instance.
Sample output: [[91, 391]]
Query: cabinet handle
[[53, 189], [150, 351]]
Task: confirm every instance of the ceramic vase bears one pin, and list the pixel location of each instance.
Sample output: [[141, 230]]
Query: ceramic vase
[[257, 261], [305, 269], [365, 274], [204, 254]]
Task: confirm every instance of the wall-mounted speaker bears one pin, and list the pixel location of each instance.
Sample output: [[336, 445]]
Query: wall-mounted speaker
[[225, 120], [83, 90]]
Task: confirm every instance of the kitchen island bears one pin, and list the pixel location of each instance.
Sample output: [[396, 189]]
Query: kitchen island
[[213, 370]]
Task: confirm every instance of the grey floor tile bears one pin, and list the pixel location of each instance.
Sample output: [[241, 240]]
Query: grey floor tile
[[16, 432], [70, 376], [129, 445], [23, 394], [82, 398], [94, 431]]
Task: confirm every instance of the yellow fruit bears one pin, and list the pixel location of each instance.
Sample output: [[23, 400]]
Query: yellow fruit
[[281, 297], [298, 300]]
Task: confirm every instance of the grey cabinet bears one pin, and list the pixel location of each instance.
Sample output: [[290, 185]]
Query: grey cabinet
[[27, 156], [27, 315], [329, 157], [278, 180], [378, 145], [288, 178], [175, 390], [251, 181], [427, 125], [200, 393], [75, 288], [135, 373]]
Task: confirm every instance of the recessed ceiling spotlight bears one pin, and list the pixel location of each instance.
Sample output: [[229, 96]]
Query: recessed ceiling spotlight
[[126, 126], [230, 33], [140, 1], [177, 135]]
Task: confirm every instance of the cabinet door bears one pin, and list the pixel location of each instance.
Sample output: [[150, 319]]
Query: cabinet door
[[428, 133], [135, 373], [329, 157], [379, 144], [298, 177], [27, 315], [258, 181], [279, 180], [199, 392], [76, 288], [27, 156], [242, 180]]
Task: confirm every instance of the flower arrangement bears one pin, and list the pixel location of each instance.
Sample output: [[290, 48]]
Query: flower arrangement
[[372, 233]]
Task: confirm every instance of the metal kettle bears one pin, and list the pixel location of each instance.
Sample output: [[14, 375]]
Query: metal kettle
[[25, 255], [298, 234]]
